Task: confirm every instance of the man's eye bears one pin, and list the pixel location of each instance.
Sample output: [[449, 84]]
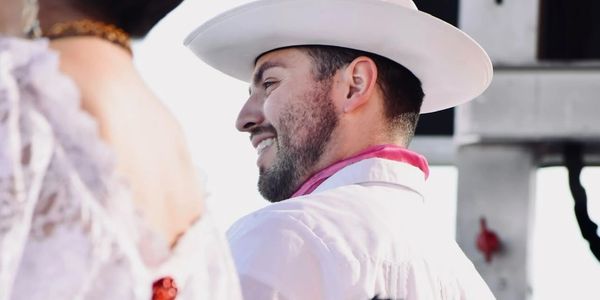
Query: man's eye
[[267, 84]]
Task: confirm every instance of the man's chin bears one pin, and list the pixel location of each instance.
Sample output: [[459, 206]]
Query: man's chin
[[275, 186]]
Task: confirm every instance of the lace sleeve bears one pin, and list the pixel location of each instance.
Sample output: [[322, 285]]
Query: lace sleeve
[[23, 163], [68, 225], [68, 228]]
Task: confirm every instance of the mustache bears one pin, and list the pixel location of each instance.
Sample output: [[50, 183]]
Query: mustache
[[263, 129]]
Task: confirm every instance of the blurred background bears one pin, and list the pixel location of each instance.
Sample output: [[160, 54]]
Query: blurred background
[[500, 157]]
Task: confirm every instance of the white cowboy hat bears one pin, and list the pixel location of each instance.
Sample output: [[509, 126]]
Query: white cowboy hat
[[452, 67]]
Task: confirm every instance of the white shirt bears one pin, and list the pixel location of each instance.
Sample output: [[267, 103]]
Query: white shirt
[[363, 232]]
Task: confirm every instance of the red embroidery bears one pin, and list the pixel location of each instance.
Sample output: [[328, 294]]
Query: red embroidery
[[164, 289]]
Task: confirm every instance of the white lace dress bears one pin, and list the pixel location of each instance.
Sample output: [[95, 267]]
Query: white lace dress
[[68, 228]]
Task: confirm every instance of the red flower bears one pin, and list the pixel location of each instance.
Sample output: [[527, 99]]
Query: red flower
[[164, 289]]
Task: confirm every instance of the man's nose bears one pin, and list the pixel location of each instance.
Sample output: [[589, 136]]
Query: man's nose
[[250, 116]]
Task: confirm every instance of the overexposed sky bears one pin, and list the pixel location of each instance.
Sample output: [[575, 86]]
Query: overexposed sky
[[206, 103]]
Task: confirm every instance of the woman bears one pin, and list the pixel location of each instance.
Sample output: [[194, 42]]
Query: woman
[[98, 196]]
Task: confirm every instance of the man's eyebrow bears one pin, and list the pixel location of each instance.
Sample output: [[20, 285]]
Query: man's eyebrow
[[264, 67]]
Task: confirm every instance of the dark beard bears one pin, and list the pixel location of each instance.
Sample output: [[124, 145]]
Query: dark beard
[[294, 163]]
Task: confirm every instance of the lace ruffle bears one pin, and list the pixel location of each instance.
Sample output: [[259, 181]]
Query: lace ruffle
[[59, 194], [68, 225]]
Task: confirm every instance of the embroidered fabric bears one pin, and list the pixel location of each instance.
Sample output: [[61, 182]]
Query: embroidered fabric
[[68, 228]]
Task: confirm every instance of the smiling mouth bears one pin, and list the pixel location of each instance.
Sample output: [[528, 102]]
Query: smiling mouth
[[264, 144]]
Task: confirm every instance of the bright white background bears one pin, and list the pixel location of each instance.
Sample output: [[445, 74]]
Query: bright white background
[[206, 103]]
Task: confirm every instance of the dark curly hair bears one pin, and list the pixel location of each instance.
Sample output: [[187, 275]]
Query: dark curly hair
[[136, 17]]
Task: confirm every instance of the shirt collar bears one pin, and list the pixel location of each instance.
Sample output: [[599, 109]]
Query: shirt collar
[[381, 163]]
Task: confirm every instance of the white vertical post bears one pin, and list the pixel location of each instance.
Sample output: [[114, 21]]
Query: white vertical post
[[498, 182]]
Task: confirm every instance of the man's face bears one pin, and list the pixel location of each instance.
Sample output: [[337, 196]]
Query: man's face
[[290, 118]]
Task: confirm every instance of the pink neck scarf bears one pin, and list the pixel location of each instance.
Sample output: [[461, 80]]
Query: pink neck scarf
[[391, 152]]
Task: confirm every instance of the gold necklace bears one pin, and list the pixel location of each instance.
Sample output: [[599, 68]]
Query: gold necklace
[[87, 27]]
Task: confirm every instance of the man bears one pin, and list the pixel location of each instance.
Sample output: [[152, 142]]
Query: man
[[336, 90]]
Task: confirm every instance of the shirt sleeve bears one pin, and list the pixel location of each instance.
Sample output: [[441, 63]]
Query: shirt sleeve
[[279, 257]]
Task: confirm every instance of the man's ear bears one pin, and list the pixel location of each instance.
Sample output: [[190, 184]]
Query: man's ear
[[361, 77]]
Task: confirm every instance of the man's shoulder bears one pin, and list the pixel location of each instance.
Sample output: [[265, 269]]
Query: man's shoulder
[[305, 211], [295, 214], [343, 220], [338, 213], [319, 220]]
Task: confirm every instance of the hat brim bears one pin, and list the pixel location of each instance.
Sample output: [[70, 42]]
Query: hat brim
[[452, 67]]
